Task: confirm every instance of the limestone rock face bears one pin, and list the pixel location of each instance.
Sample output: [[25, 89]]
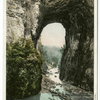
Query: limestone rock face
[[77, 63], [15, 21], [22, 19]]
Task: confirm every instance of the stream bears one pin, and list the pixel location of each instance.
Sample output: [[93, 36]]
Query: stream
[[64, 89]]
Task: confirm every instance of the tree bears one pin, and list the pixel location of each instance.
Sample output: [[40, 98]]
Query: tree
[[62, 49], [43, 53], [24, 69]]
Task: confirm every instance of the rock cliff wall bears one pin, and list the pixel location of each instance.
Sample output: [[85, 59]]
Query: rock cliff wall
[[77, 62], [22, 18]]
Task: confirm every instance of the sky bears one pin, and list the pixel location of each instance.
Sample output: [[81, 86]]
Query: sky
[[53, 35]]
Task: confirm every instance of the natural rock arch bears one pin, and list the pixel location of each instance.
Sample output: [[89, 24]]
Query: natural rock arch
[[43, 26], [78, 36], [30, 16]]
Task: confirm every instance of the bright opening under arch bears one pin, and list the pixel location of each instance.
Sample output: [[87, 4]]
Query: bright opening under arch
[[53, 35]]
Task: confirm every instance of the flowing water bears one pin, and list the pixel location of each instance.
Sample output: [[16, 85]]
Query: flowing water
[[72, 92]]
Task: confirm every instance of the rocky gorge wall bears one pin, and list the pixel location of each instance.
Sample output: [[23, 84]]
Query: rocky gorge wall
[[77, 62], [27, 18], [22, 18], [21, 22]]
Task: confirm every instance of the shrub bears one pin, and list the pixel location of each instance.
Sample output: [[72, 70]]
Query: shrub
[[24, 69]]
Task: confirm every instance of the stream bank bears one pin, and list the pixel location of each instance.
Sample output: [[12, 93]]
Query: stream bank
[[47, 83], [54, 89]]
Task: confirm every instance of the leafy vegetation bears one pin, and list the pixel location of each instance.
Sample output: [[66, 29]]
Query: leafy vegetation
[[62, 49], [43, 52], [53, 55], [24, 69]]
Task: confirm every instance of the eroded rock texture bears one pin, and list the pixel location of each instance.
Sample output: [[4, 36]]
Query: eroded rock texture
[[27, 18], [22, 21]]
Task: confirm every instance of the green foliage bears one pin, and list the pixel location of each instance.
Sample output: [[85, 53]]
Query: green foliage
[[53, 55], [62, 49], [55, 61], [43, 52], [24, 69]]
